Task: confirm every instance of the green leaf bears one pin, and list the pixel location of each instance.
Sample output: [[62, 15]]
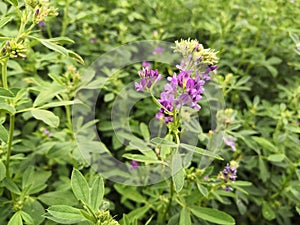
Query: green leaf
[[3, 134], [145, 131], [64, 214], [267, 145], [267, 212], [138, 213], [56, 104], [203, 190], [61, 40], [27, 218], [58, 198], [13, 2], [6, 93], [109, 97], [48, 94], [97, 193], [200, 151], [213, 215], [276, 157], [80, 186], [5, 20], [274, 60], [185, 217], [54, 47], [8, 108], [2, 170], [141, 158], [264, 173], [178, 172], [16, 219], [163, 142], [10, 185], [130, 193], [75, 56], [46, 116]]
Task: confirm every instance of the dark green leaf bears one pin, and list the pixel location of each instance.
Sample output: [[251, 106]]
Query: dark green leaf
[[6, 93], [2, 170], [267, 212]]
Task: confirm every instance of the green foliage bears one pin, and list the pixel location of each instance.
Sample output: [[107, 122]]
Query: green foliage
[[41, 72]]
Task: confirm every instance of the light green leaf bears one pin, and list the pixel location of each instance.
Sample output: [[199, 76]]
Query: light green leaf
[[109, 97], [54, 47], [163, 142], [97, 193], [58, 198], [145, 131], [27, 218], [185, 217], [276, 157], [141, 158], [213, 215], [138, 213], [5, 20], [8, 108], [10, 185], [3, 134], [80, 186], [56, 104], [200, 151], [16, 219], [61, 40], [130, 193], [75, 56], [13, 2], [267, 212], [178, 172], [64, 214], [203, 190], [48, 94], [46, 116]]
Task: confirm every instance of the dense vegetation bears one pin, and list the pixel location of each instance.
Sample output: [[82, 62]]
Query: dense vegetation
[[80, 145]]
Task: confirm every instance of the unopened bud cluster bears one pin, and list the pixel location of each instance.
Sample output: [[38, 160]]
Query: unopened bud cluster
[[14, 49], [104, 218]]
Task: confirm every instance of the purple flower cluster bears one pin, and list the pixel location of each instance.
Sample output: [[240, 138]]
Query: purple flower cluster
[[148, 77], [229, 174], [182, 89]]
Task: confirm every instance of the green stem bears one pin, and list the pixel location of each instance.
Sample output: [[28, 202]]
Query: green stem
[[4, 74], [65, 19], [69, 120], [11, 120], [9, 144]]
